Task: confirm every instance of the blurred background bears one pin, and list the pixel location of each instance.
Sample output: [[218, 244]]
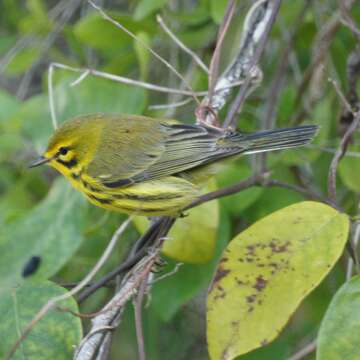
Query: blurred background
[[40, 214]]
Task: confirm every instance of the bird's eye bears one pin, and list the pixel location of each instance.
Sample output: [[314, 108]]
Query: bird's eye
[[63, 151]]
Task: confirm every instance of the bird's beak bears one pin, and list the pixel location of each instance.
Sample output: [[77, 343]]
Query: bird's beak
[[40, 161]]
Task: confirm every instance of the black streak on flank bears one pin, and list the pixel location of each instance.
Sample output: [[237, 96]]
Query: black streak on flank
[[75, 176], [69, 164], [118, 183], [164, 196], [100, 200], [31, 266], [88, 186]]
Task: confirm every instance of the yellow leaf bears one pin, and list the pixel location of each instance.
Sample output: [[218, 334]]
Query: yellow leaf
[[266, 271], [193, 237]]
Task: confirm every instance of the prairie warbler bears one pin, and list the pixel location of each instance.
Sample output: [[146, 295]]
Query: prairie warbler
[[152, 167]]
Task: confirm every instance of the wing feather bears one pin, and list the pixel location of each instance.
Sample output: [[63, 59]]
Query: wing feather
[[136, 148]]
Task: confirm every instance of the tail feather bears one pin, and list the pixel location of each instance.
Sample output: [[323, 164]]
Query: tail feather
[[279, 138]]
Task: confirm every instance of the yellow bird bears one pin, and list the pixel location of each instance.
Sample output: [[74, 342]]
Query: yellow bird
[[149, 166]]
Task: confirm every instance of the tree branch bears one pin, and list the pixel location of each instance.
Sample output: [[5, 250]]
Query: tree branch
[[100, 323], [261, 21]]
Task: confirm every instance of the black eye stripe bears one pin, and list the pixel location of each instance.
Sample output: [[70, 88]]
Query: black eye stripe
[[69, 164]]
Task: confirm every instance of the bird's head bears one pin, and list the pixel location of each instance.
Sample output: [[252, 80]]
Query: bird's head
[[73, 144]]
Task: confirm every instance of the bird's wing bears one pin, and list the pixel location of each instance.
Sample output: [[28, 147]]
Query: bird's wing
[[186, 147], [149, 149], [127, 147]]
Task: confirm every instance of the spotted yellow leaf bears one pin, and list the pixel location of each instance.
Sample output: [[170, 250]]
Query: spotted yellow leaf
[[266, 271]]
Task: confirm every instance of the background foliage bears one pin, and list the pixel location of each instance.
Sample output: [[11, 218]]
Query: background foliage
[[41, 216]]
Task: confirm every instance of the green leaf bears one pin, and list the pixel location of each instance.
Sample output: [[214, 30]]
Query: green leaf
[[192, 239], [348, 167], [196, 16], [271, 199], [52, 230], [37, 21], [15, 202], [8, 105], [142, 54], [217, 10], [10, 143], [268, 269], [200, 37], [94, 31], [54, 337], [33, 118], [145, 8], [22, 60], [339, 333], [233, 173], [172, 292], [322, 115], [286, 105], [97, 95]]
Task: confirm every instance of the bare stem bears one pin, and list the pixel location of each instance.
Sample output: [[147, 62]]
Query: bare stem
[[138, 303], [354, 244], [142, 43], [305, 351], [181, 45], [266, 20], [339, 154], [84, 72], [215, 60]]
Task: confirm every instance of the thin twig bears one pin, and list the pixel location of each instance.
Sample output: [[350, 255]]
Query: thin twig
[[245, 184], [68, 11], [51, 96], [339, 154], [354, 244], [277, 82], [171, 105], [158, 229], [26, 40], [300, 189], [86, 71], [181, 45], [112, 77], [329, 150], [138, 303], [320, 49], [347, 20], [168, 274], [215, 60], [341, 96], [305, 351], [52, 302], [142, 43]]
